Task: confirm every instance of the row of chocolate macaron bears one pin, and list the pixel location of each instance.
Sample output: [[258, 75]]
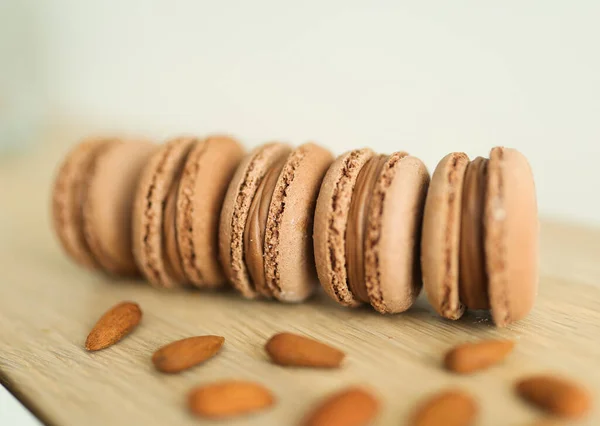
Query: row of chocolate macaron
[[371, 228]]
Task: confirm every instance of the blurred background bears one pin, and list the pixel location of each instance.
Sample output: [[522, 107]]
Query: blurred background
[[426, 77]]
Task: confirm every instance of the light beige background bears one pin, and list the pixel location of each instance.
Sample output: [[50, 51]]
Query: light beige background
[[428, 77]]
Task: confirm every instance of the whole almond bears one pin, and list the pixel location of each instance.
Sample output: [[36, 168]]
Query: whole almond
[[293, 350], [229, 399], [349, 407], [447, 408], [183, 354], [115, 324], [470, 357], [555, 395]]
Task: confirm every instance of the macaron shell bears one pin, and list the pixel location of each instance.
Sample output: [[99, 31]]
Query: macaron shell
[[289, 260], [392, 255], [441, 232], [235, 209], [512, 236], [108, 203], [206, 175], [155, 183], [67, 214], [331, 219]]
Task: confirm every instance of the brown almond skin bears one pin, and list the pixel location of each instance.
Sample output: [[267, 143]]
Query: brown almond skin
[[448, 408], [555, 395], [349, 407], [289, 349], [471, 357], [186, 353], [229, 399], [115, 324]]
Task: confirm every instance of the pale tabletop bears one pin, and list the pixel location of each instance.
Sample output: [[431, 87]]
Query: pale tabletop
[[48, 305]]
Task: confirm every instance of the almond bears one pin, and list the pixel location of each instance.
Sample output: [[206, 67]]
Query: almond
[[470, 357], [229, 399], [350, 407], [448, 408], [183, 354], [556, 395], [115, 324], [293, 350]]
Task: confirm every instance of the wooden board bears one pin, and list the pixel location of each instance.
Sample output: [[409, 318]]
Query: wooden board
[[47, 306]]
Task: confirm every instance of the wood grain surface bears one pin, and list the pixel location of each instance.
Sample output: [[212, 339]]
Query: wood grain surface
[[48, 305]]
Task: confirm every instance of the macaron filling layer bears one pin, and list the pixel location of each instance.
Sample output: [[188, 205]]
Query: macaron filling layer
[[173, 260], [331, 220], [473, 282], [357, 225], [255, 228], [160, 213]]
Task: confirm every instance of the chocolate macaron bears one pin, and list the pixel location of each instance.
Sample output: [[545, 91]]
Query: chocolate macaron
[[367, 229], [92, 202], [267, 221], [176, 211], [480, 236]]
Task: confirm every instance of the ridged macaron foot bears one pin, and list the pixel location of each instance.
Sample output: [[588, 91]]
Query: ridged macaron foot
[[177, 207], [208, 170], [367, 229], [92, 202], [480, 236], [236, 207], [267, 221], [441, 236]]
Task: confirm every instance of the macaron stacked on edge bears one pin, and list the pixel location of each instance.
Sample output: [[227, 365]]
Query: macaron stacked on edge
[[91, 202], [158, 179], [236, 207], [67, 212], [331, 219], [441, 236], [267, 221], [392, 251], [208, 170], [503, 226], [290, 272], [512, 241], [169, 211], [108, 204], [367, 228]]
